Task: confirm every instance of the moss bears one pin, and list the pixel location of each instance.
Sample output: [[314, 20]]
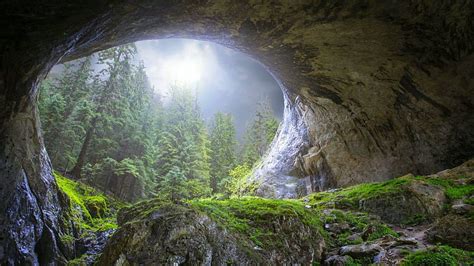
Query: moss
[[441, 256], [459, 188], [414, 220], [89, 209], [350, 197], [68, 239], [381, 230], [82, 260], [255, 217], [145, 208], [361, 222], [453, 190]]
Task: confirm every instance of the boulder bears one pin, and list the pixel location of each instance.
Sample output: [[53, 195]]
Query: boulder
[[462, 208], [415, 201], [156, 233], [337, 260], [453, 230], [361, 251]]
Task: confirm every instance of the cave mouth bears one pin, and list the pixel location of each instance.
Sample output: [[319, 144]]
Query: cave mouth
[[85, 103]]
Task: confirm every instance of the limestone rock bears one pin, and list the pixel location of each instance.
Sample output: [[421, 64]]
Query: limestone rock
[[453, 230], [462, 208], [416, 200], [336, 260], [361, 251], [176, 233]]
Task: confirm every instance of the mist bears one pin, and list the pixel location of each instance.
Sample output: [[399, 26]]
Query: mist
[[226, 80]]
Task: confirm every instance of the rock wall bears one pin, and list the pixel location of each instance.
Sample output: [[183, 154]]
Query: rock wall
[[374, 89]]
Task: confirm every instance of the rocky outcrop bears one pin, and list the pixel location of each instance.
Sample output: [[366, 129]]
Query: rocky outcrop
[[331, 228], [453, 230], [375, 89], [414, 201], [164, 233], [88, 220]]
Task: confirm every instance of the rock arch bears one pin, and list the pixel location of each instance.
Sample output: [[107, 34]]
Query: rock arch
[[375, 89]]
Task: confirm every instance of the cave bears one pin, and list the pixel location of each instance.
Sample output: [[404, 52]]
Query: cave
[[374, 90]]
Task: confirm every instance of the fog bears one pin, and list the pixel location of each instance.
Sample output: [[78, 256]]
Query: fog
[[226, 80]]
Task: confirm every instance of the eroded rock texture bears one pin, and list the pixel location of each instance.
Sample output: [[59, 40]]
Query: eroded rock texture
[[375, 89], [160, 233]]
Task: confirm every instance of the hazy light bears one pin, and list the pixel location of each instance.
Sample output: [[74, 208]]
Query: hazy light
[[186, 63], [183, 71], [223, 80]]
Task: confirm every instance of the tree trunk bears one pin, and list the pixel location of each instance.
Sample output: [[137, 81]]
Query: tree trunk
[[77, 169]]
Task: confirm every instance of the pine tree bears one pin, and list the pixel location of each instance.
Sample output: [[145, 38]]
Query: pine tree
[[183, 143], [118, 75], [64, 109], [173, 185], [259, 133], [223, 150]]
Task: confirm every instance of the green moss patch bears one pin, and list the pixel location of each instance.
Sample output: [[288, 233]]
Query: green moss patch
[[261, 220], [358, 223], [453, 190], [89, 209], [440, 256], [350, 197]]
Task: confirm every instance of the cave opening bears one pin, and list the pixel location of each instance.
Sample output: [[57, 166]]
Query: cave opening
[[372, 91], [147, 118]]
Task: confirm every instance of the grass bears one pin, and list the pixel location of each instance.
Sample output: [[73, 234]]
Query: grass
[[256, 217], [439, 256]]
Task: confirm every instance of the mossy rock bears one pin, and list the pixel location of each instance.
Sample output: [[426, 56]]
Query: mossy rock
[[85, 211], [248, 230], [453, 230], [407, 200], [439, 256], [96, 205], [361, 227]]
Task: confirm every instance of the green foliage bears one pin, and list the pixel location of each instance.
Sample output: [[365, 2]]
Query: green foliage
[[183, 148], [252, 216], [440, 255], [102, 123], [110, 127], [90, 209], [259, 134], [222, 151], [173, 185], [238, 179]]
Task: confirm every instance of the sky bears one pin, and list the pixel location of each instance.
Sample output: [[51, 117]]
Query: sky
[[226, 80]]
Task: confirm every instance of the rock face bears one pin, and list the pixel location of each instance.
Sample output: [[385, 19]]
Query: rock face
[[375, 89], [154, 233], [415, 200]]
